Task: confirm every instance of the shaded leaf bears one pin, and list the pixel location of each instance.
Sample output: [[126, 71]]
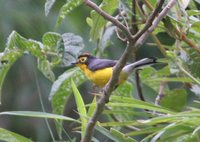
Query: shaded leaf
[[105, 41], [195, 89], [48, 6], [175, 99], [73, 44], [115, 135]]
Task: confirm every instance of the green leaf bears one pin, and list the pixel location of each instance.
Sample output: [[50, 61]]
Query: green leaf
[[20, 44], [10, 57], [37, 115], [105, 40], [92, 107], [174, 99], [121, 137], [16, 46], [8, 136], [125, 89], [45, 67], [66, 9], [61, 90], [48, 5], [80, 107], [114, 135], [119, 101], [97, 22], [51, 41], [171, 79], [148, 130], [73, 44], [193, 12]]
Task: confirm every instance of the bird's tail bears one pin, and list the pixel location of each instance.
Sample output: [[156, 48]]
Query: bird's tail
[[140, 63]]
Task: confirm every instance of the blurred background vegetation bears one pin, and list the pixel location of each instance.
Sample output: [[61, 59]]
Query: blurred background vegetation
[[24, 82], [20, 90]]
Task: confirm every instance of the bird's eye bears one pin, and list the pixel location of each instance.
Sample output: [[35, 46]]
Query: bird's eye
[[83, 59]]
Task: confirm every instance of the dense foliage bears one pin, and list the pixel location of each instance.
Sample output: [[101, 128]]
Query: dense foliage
[[171, 89]]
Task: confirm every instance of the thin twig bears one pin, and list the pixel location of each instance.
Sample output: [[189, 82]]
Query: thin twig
[[178, 33], [138, 86], [160, 94], [159, 45], [132, 44], [108, 17], [150, 20], [162, 14]]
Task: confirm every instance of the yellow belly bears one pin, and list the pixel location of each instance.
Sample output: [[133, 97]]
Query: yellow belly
[[102, 76]]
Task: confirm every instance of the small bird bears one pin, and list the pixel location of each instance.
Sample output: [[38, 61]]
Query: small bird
[[99, 71]]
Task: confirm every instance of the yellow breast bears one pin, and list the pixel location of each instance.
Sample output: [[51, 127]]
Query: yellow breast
[[101, 76]]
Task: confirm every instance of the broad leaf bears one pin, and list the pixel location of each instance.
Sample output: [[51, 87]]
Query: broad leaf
[[174, 99], [66, 9], [73, 44]]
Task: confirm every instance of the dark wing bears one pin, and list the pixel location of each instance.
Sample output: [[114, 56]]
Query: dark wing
[[96, 64]]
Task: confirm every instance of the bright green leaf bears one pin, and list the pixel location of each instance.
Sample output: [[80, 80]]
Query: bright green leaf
[[8, 136], [66, 9], [38, 115], [80, 107], [114, 135], [61, 90], [134, 103], [51, 40], [92, 108]]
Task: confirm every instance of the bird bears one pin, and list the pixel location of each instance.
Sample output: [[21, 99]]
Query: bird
[[99, 71]]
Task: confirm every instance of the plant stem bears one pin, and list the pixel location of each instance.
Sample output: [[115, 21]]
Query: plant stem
[[134, 42]]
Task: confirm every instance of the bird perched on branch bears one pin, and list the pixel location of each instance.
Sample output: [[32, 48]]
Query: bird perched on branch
[[99, 71]]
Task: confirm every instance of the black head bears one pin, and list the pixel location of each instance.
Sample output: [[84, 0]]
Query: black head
[[84, 58]]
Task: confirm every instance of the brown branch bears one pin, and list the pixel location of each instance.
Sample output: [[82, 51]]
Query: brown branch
[[111, 85], [134, 27], [162, 14], [188, 41], [150, 20], [108, 17], [177, 32]]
